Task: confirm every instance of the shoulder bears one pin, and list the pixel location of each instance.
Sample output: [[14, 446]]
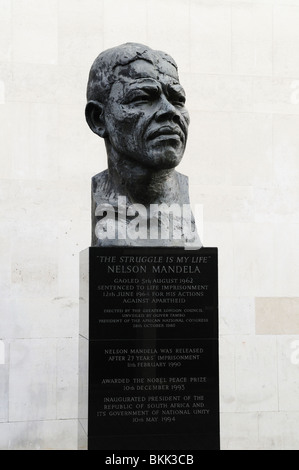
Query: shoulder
[[99, 180], [182, 179]]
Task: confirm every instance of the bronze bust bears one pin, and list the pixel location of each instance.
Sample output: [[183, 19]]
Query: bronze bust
[[136, 103]]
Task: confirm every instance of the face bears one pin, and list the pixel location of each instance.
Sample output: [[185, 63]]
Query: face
[[145, 117]]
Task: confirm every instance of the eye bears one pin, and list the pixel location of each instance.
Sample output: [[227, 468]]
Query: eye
[[176, 95], [140, 99], [178, 101], [143, 96]]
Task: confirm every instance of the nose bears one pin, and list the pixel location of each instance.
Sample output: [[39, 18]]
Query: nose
[[167, 111]]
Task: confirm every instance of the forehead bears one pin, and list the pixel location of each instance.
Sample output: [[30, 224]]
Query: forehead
[[141, 69]]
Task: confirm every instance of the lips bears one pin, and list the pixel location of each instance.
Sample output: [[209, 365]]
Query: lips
[[167, 131]]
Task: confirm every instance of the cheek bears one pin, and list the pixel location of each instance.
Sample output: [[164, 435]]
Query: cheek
[[120, 116], [125, 125], [185, 118]]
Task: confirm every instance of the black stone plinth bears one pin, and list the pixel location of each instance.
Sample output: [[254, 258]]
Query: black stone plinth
[[149, 373]]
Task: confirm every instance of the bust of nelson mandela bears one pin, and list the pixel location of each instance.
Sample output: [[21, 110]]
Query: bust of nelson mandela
[[136, 103]]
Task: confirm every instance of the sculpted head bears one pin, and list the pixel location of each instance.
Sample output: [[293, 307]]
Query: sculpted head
[[136, 103]]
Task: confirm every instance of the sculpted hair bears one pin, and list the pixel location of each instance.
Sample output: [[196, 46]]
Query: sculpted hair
[[103, 74]]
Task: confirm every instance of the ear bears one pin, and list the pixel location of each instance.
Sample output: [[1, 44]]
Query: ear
[[94, 113]]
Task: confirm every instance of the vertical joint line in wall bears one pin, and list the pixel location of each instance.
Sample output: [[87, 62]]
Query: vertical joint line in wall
[[272, 65], [231, 37], [272, 139], [146, 21], [235, 370], [259, 418], [56, 378], [58, 35], [272, 39], [12, 7], [103, 23], [189, 36], [277, 373], [8, 365]]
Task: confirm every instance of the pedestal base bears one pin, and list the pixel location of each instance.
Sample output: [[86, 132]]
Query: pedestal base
[[149, 349]]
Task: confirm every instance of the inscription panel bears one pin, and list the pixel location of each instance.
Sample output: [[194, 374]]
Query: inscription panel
[[142, 386], [147, 292]]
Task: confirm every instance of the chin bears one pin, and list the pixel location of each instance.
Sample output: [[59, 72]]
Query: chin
[[165, 160]]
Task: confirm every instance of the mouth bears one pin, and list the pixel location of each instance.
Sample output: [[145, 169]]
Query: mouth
[[167, 133]]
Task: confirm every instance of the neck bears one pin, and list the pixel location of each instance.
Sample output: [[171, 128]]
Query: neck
[[140, 184]]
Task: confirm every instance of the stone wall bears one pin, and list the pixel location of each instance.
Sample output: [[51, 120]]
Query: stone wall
[[239, 63]]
